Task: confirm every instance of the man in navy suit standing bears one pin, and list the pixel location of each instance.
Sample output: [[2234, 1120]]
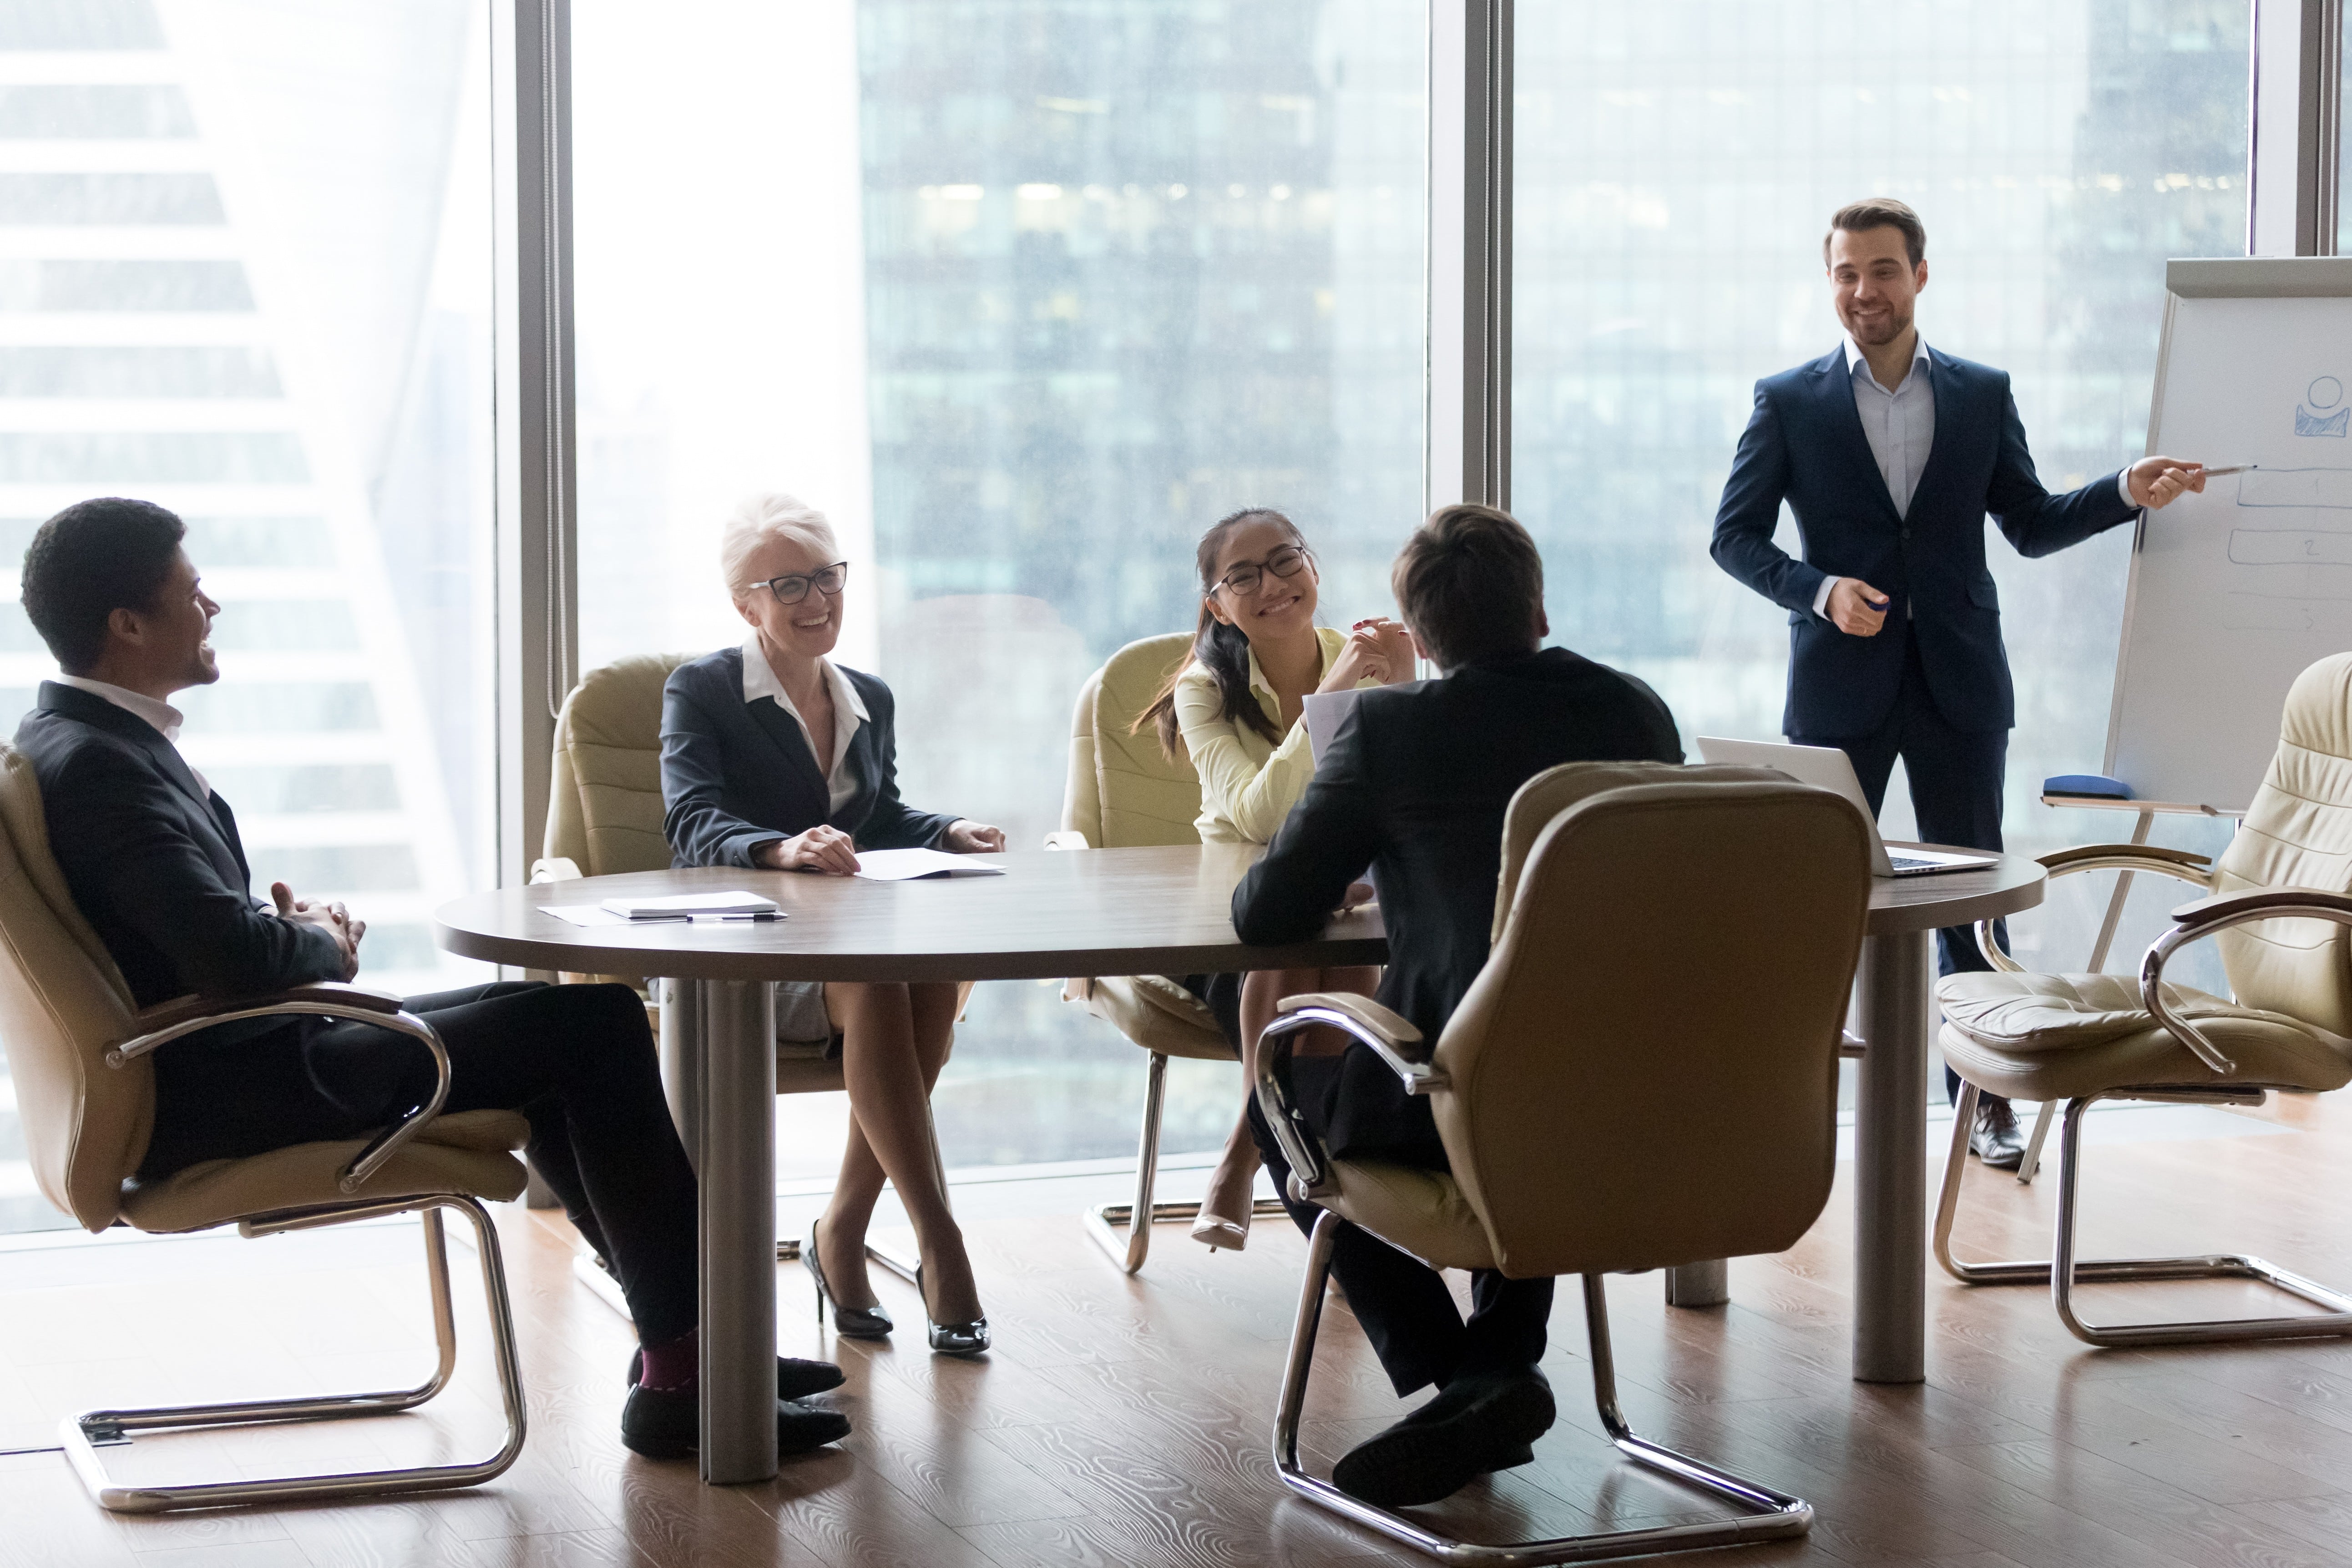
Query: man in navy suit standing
[[1891, 455]]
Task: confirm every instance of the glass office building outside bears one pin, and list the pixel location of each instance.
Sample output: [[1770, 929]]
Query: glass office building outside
[[244, 272], [1025, 294], [1124, 268], [1116, 271], [1677, 164]]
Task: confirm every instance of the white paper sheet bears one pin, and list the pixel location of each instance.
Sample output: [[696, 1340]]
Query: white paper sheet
[[734, 901], [909, 864], [583, 914]]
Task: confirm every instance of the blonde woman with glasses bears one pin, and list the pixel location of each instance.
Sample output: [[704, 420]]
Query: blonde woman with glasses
[[775, 757], [1236, 706]]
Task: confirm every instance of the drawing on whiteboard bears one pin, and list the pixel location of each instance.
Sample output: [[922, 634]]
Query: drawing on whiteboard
[[2309, 526], [2324, 410]]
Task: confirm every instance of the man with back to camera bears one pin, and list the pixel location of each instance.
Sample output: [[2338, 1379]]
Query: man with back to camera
[[1890, 455], [1415, 785], [154, 862]]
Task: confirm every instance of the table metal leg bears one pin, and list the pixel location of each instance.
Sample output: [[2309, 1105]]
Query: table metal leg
[[1890, 1178], [736, 1025], [1699, 1284]]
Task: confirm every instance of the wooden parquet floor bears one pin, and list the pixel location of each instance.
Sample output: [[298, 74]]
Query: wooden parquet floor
[[1125, 1422]]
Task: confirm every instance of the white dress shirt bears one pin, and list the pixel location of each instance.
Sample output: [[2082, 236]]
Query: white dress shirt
[[161, 717], [848, 714], [1900, 426]]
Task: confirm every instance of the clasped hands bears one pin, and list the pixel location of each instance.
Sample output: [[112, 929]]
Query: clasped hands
[[1858, 610], [1378, 649], [830, 852], [329, 917]]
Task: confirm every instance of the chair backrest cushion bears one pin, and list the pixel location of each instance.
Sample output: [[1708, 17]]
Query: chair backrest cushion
[[2298, 832], [1554, 790], [1645, 1074], [604, 800], [1081, 791], [1144, 796], [62, 1005]]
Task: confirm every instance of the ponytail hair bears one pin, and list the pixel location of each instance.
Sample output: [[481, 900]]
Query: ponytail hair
[[1222, 649]]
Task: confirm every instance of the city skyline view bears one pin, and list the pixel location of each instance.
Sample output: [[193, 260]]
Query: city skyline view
[[1024, 295]]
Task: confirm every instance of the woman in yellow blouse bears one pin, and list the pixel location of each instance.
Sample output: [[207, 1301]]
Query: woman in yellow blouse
[[1237, 705]]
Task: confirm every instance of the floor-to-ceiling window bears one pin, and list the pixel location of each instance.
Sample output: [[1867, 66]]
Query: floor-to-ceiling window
[[1023, 296], [244, 272], [1675, 166]]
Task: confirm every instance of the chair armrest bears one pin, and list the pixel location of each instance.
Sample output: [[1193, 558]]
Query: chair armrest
[[2146, 857], [2202, 918], [1395, 1030], [159, 1025], [2225, 909], [555, 868], [1076, 988], [167, 1021], [1307, 1158], [2181, 865], [1397, 1042]]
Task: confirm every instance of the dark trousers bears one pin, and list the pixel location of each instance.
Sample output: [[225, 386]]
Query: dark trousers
[[1403, 1304], [578, 1061], [1957, 777]]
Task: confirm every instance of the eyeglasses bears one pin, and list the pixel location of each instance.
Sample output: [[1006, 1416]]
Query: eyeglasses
[[1243, 579], [793, 587]]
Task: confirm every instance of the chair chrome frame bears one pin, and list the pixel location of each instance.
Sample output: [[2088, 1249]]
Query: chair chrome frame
[[81, 1435], [1766, 1514], [1105, 1223], [167, 1021], [2063, 1269]]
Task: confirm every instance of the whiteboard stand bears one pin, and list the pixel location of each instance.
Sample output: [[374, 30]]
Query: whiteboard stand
[[2031, 1165]]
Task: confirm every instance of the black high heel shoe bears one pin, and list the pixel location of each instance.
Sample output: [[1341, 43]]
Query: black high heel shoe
[[952, 1339], [850, 1322]]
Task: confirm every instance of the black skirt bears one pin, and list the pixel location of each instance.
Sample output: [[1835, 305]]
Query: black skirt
[[1222, 993]]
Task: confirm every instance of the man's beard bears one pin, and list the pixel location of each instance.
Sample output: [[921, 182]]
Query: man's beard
[[1895, 326]]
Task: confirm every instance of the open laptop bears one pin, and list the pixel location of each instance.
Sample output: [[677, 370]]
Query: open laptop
[[1831, 768]]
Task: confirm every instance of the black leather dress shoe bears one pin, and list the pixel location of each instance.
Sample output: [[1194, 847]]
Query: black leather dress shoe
[[666, 1424], [1995, 1139], [1475, 1425], [795, 1379]]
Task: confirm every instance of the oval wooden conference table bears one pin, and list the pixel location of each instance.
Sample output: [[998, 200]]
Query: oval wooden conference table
[[1119, 911]]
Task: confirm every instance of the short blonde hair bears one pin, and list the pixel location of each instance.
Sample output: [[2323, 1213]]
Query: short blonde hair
[[758, 519]]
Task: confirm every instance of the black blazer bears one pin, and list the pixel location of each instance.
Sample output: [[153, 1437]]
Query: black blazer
[[154, 862], [1804, 445], [737, 775], [1414, 786]]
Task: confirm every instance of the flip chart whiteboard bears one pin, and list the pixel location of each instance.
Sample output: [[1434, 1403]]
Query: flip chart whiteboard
[[2235, 591]]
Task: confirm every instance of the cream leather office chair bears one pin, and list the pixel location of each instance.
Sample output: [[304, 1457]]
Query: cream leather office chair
[[1122, 793], [605, 818], [2278, 909], [1674, 946], [80, 1056]]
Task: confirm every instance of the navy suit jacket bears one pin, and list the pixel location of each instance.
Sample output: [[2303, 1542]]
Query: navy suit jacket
[[737, 775], [1804, 445], [155, 864]]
